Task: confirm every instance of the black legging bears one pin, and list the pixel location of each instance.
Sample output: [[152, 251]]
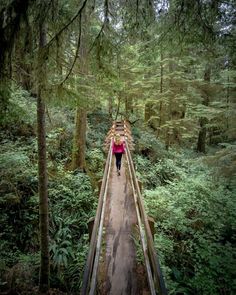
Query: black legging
[[118, 160]]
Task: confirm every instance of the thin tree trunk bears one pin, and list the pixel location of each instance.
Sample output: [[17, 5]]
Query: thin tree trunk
[[79, 141], [110, 106], [128, 106], [162, 70], [161, 91], [118, 107], [42, 172], [79, 144], [227, 101], [201, 143], [168, 135], [27, 68], [118, 62]]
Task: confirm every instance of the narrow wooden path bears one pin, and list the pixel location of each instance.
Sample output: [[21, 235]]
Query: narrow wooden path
[[121, 269], [121, 232]]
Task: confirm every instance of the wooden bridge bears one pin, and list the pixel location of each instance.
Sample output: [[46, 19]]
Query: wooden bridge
[[121, 232]]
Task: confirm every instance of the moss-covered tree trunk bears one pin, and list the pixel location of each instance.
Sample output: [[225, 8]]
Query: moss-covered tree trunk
[[42, 169], [201, 143]]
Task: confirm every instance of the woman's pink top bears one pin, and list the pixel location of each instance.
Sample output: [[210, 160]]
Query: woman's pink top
[[118, 148]]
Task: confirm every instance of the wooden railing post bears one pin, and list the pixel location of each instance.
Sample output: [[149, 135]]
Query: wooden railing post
[[140, 184], [99, 186], [151, 222], [90, 224]]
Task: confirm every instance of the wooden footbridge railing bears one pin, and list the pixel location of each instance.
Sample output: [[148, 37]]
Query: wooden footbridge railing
[[153, 271]]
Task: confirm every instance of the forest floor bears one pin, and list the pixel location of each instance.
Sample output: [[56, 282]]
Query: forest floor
[[120, 273]]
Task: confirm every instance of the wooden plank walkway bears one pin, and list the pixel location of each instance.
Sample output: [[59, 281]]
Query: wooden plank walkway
[[122, 275], [121, 224]]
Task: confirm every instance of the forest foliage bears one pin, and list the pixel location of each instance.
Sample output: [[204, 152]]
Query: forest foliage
[[166, 66]]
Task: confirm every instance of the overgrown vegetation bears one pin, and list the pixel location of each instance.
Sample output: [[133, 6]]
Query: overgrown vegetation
[[72, 200], [194, 210], [166, 66]]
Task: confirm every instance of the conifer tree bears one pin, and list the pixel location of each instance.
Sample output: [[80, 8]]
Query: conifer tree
[[42, 164]]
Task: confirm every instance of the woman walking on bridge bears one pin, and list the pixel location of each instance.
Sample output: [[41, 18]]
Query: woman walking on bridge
[[118, 148]]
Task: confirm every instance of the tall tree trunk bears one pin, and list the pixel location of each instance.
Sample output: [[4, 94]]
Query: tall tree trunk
[[201, 143], [227, 100], [118, 106], [10, 19], [168, 135], [79, 141], [26, 66], [162, 71], [110, 108], [161, 91], [42, 169], [128, 106], [5, 73]]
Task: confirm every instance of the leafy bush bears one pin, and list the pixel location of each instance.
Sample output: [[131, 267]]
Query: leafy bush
[[72, 204], [19, 206], [95, 161], [195, 220], [98, 125], [157, 173], [71, 201], [20, 113], [149, 146], [59, 144]]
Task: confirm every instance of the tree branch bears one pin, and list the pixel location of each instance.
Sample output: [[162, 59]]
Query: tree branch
[[106, 21], [76, 53], [67, 25]]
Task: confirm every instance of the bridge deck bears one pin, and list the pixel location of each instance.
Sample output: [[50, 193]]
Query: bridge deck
[[122, 274], [120, 224]]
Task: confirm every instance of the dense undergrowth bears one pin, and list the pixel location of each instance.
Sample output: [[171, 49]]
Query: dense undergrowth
[[190, 196], [72, 197], [194, 208]]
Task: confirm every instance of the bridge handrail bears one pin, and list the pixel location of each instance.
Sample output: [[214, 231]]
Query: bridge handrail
[[155, 266], [94, 248]]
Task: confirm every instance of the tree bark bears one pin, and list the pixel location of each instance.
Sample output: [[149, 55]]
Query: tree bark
[[161, 91], [110, 108], [118, 105], [128, 106], [26, 66], [168, 134], [201, 143], [79, 141], [42, 170]]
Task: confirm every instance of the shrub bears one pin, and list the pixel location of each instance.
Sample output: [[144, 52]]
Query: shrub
[[195, 221]]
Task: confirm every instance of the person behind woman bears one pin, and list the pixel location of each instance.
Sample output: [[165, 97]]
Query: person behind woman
[[118, 148]]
